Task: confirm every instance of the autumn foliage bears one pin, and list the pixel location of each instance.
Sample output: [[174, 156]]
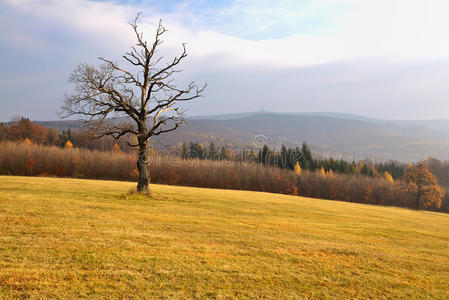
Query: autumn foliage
[[116, 148], [23, 130], [297, 169], [388, 177], [424, 186], [39, 160]]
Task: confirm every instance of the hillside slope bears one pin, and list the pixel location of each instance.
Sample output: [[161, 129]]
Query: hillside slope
[[330, 134], [66, 238]]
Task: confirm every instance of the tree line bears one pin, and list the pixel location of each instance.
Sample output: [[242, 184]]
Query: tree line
[[287, 158], [417, 189], [419, 179], [23, 129]]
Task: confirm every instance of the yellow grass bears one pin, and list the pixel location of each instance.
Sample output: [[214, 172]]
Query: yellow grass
[[66, 238]]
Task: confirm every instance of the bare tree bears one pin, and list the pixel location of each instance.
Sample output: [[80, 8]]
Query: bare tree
[[144, 94]]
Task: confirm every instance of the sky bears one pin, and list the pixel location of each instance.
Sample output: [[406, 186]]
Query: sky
[[385, 59]]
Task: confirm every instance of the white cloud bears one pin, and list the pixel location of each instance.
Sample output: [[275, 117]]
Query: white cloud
[[391, 31], [400, 29]]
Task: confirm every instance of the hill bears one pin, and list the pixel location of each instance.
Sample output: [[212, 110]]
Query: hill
[[344, 136], [67, 238], [330, 134]]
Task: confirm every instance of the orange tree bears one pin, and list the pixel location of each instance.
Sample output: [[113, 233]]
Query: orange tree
[[424, 185]]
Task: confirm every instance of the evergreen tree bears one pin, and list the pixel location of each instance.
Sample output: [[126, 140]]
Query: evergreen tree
[[223, 154], [184, 150], [263, 155], [212, 152], [306, 157], [284, 157]]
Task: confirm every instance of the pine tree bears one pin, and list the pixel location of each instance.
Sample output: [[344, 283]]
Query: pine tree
[[212, 151], [263, 155], [195, 151], [184, 150], [306, 157], [284, 155], [223, 154], [200, 151]]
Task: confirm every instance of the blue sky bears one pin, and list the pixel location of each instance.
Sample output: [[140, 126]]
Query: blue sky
[[379, 58], [253, 20]]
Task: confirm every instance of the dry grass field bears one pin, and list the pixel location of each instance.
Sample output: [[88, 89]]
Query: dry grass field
[[68, 238]]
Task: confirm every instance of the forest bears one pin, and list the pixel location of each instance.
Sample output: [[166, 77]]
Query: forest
[[32, 150], [284, 158]]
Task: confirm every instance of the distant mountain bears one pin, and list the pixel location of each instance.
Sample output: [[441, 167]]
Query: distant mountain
[[330, 134], [309, 114], [223, 116], [61, 125]]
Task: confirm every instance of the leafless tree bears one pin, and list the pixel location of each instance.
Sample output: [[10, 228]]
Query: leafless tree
[[141, 100]]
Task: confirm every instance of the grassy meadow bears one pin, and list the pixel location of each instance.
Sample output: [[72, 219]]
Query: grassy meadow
[[70, 238]]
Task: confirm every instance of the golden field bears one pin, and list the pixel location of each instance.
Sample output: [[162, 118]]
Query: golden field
[[72, 238]]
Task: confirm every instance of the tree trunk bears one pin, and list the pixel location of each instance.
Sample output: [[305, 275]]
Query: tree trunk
[[418, 196], [417, 201], [142, 166]]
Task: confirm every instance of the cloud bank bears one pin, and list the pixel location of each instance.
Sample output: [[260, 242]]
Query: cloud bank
[[383, 58]]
